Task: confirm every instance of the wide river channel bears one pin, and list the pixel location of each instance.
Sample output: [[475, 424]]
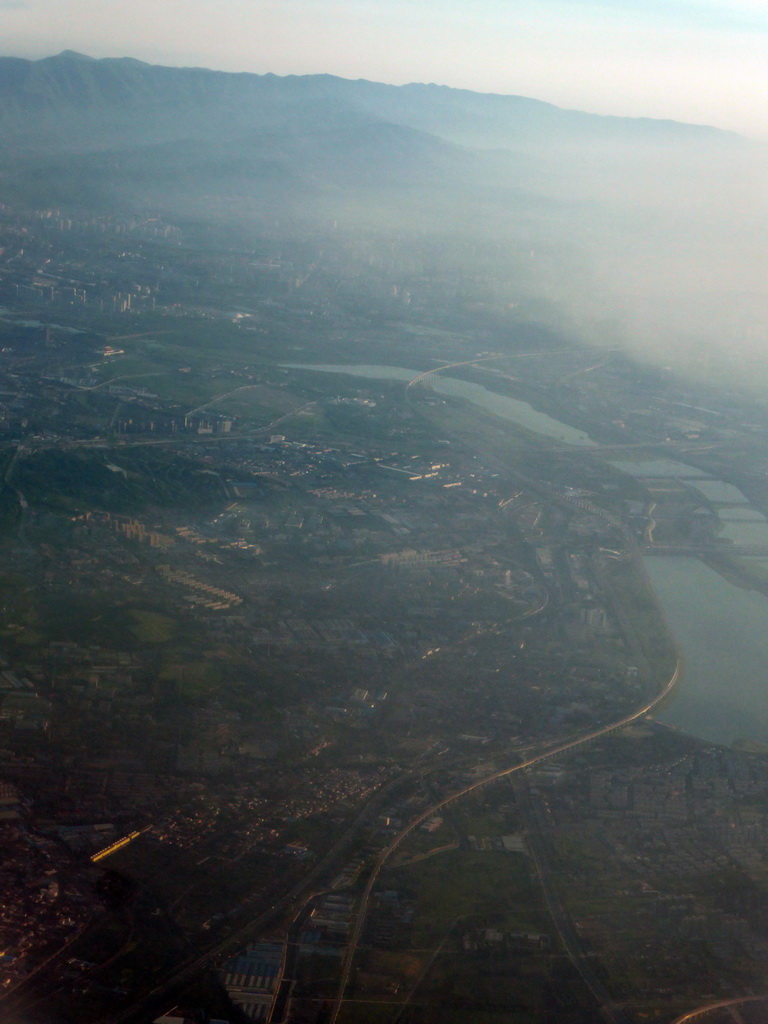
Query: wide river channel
[[505, 408], [721, 629]]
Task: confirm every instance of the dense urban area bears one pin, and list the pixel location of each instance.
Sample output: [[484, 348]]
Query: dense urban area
[[333, 695]]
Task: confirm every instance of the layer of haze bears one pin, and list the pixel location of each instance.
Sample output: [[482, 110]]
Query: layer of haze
[[703, 61]]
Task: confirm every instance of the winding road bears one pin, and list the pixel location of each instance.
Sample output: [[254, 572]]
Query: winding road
[[722, 1004], [384, 856]]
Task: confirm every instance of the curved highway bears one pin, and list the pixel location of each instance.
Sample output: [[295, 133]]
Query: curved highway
[[384, 856], [722, 1004]]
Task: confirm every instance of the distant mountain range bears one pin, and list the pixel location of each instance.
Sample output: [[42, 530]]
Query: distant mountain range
[[600, 212], [122, 98], [79, 129]]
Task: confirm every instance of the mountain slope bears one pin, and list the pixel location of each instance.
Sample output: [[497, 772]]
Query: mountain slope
[[599, 213], [117, 98]]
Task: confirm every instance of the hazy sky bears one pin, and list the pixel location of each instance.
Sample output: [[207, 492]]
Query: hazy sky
[[692, 60]]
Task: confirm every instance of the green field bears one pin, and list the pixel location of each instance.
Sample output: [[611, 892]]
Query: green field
[[152, 627]]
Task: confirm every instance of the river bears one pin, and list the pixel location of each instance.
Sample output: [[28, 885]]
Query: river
[[722, 631], [36, 323], [512, 409]]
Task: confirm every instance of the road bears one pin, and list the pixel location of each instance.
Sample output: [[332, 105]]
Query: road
[[722, 1004], [560, 748], [452, 366], [568, 935], [285, 979], [297, 898]]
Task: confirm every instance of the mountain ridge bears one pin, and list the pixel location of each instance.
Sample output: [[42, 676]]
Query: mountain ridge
[[73, 92]]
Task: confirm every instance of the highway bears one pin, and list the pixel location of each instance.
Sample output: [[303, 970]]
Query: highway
[[151, 1002], [381, 860], [300, 891], [722, 1004], [508, 355], [452, 366]]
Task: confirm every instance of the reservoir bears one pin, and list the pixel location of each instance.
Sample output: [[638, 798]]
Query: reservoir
[[512, 409], [722, 631]]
